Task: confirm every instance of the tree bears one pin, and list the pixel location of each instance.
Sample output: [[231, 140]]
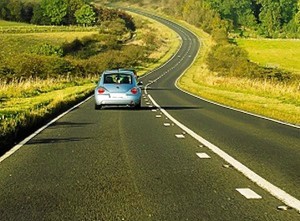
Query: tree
[[38, 16], [56, 10], [270, 17], [240, 12], [3, 9], [85, 15], [288, 10], [73, 6], [27, 11], [15, 10]]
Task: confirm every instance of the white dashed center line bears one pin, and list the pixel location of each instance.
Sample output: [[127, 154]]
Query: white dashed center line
[[280, 194], [180, 136], [248, 193], [203, 155]]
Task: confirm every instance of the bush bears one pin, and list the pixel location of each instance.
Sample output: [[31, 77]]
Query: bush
[[47, 49], [231, 60]]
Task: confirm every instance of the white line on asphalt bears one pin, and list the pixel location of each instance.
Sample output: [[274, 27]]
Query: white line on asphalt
[[275, 191], [180, 136], [232, 108], [23, 142], [248, 193], [203, 155], [266, 185]]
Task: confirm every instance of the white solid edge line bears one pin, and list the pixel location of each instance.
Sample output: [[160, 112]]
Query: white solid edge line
[[23, 142], [266, 185], [239, 110], [232, 108], [269, 187]]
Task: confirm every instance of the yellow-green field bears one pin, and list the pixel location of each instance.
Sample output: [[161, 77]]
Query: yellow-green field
[[167, 38], [10, 24], [280, 53], [276, 100], [25, 42], [25, 102]]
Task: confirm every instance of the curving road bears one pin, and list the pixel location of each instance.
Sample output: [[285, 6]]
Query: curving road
[[178, 158]]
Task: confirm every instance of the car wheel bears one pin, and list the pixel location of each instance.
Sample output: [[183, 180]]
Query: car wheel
[[98, 107], [138, 106]]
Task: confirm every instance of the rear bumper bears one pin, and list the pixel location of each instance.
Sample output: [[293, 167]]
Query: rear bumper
[[106, 100]]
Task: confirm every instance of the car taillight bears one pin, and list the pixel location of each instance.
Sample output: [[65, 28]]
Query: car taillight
[[101, 90], [134, 90]]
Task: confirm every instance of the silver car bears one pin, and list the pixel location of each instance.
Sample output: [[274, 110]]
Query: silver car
[[118, 87]]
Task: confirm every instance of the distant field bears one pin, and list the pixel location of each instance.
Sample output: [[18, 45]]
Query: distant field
[[19, 43], [281, 53], [267, 98], [10, 23]]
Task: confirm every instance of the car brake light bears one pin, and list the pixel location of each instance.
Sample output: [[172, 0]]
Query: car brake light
[[134, 90], [101, 90]]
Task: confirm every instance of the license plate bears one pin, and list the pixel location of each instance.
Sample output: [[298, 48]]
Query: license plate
[[116, 95]]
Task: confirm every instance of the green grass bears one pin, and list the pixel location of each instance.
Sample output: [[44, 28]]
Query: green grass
[[279, 53], [20, 43], [11, 23], [272, 99], [167, 38], [26, 102]]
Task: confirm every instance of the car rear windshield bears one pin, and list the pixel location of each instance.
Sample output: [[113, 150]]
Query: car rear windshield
[[117, 78]]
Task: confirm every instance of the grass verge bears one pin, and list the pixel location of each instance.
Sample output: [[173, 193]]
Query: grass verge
[[280, 101], [167, 38], [26, 104], [34, 104]]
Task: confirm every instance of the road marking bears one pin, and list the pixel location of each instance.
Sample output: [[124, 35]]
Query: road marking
[[284, 208], [180, 136], [203, 155], [158, 116], [235, 109], [263, 183], [266, 185], [167, 124], [248, 193]]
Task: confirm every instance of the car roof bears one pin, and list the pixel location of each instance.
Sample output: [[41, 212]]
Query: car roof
[[121, 71]]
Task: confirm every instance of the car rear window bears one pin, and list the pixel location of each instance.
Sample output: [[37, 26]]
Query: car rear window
[[117, 79]]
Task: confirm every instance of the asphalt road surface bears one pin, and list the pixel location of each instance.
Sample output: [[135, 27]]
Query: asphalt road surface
[[178, 158]]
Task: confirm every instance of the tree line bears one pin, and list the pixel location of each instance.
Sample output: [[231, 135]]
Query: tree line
[[267, 18], [219, 18], [60, 12], [270, 18]]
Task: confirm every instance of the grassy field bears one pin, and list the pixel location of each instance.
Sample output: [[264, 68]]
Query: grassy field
[[27, 102], [26, 42], [168, 41], [280, 101], [4, 24], [280, 53]]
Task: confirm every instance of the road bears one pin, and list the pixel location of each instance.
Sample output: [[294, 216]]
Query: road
[[149, 164]]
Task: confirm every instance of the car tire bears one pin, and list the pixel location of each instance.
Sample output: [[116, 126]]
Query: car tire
[[138, 106], [98, 107]]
